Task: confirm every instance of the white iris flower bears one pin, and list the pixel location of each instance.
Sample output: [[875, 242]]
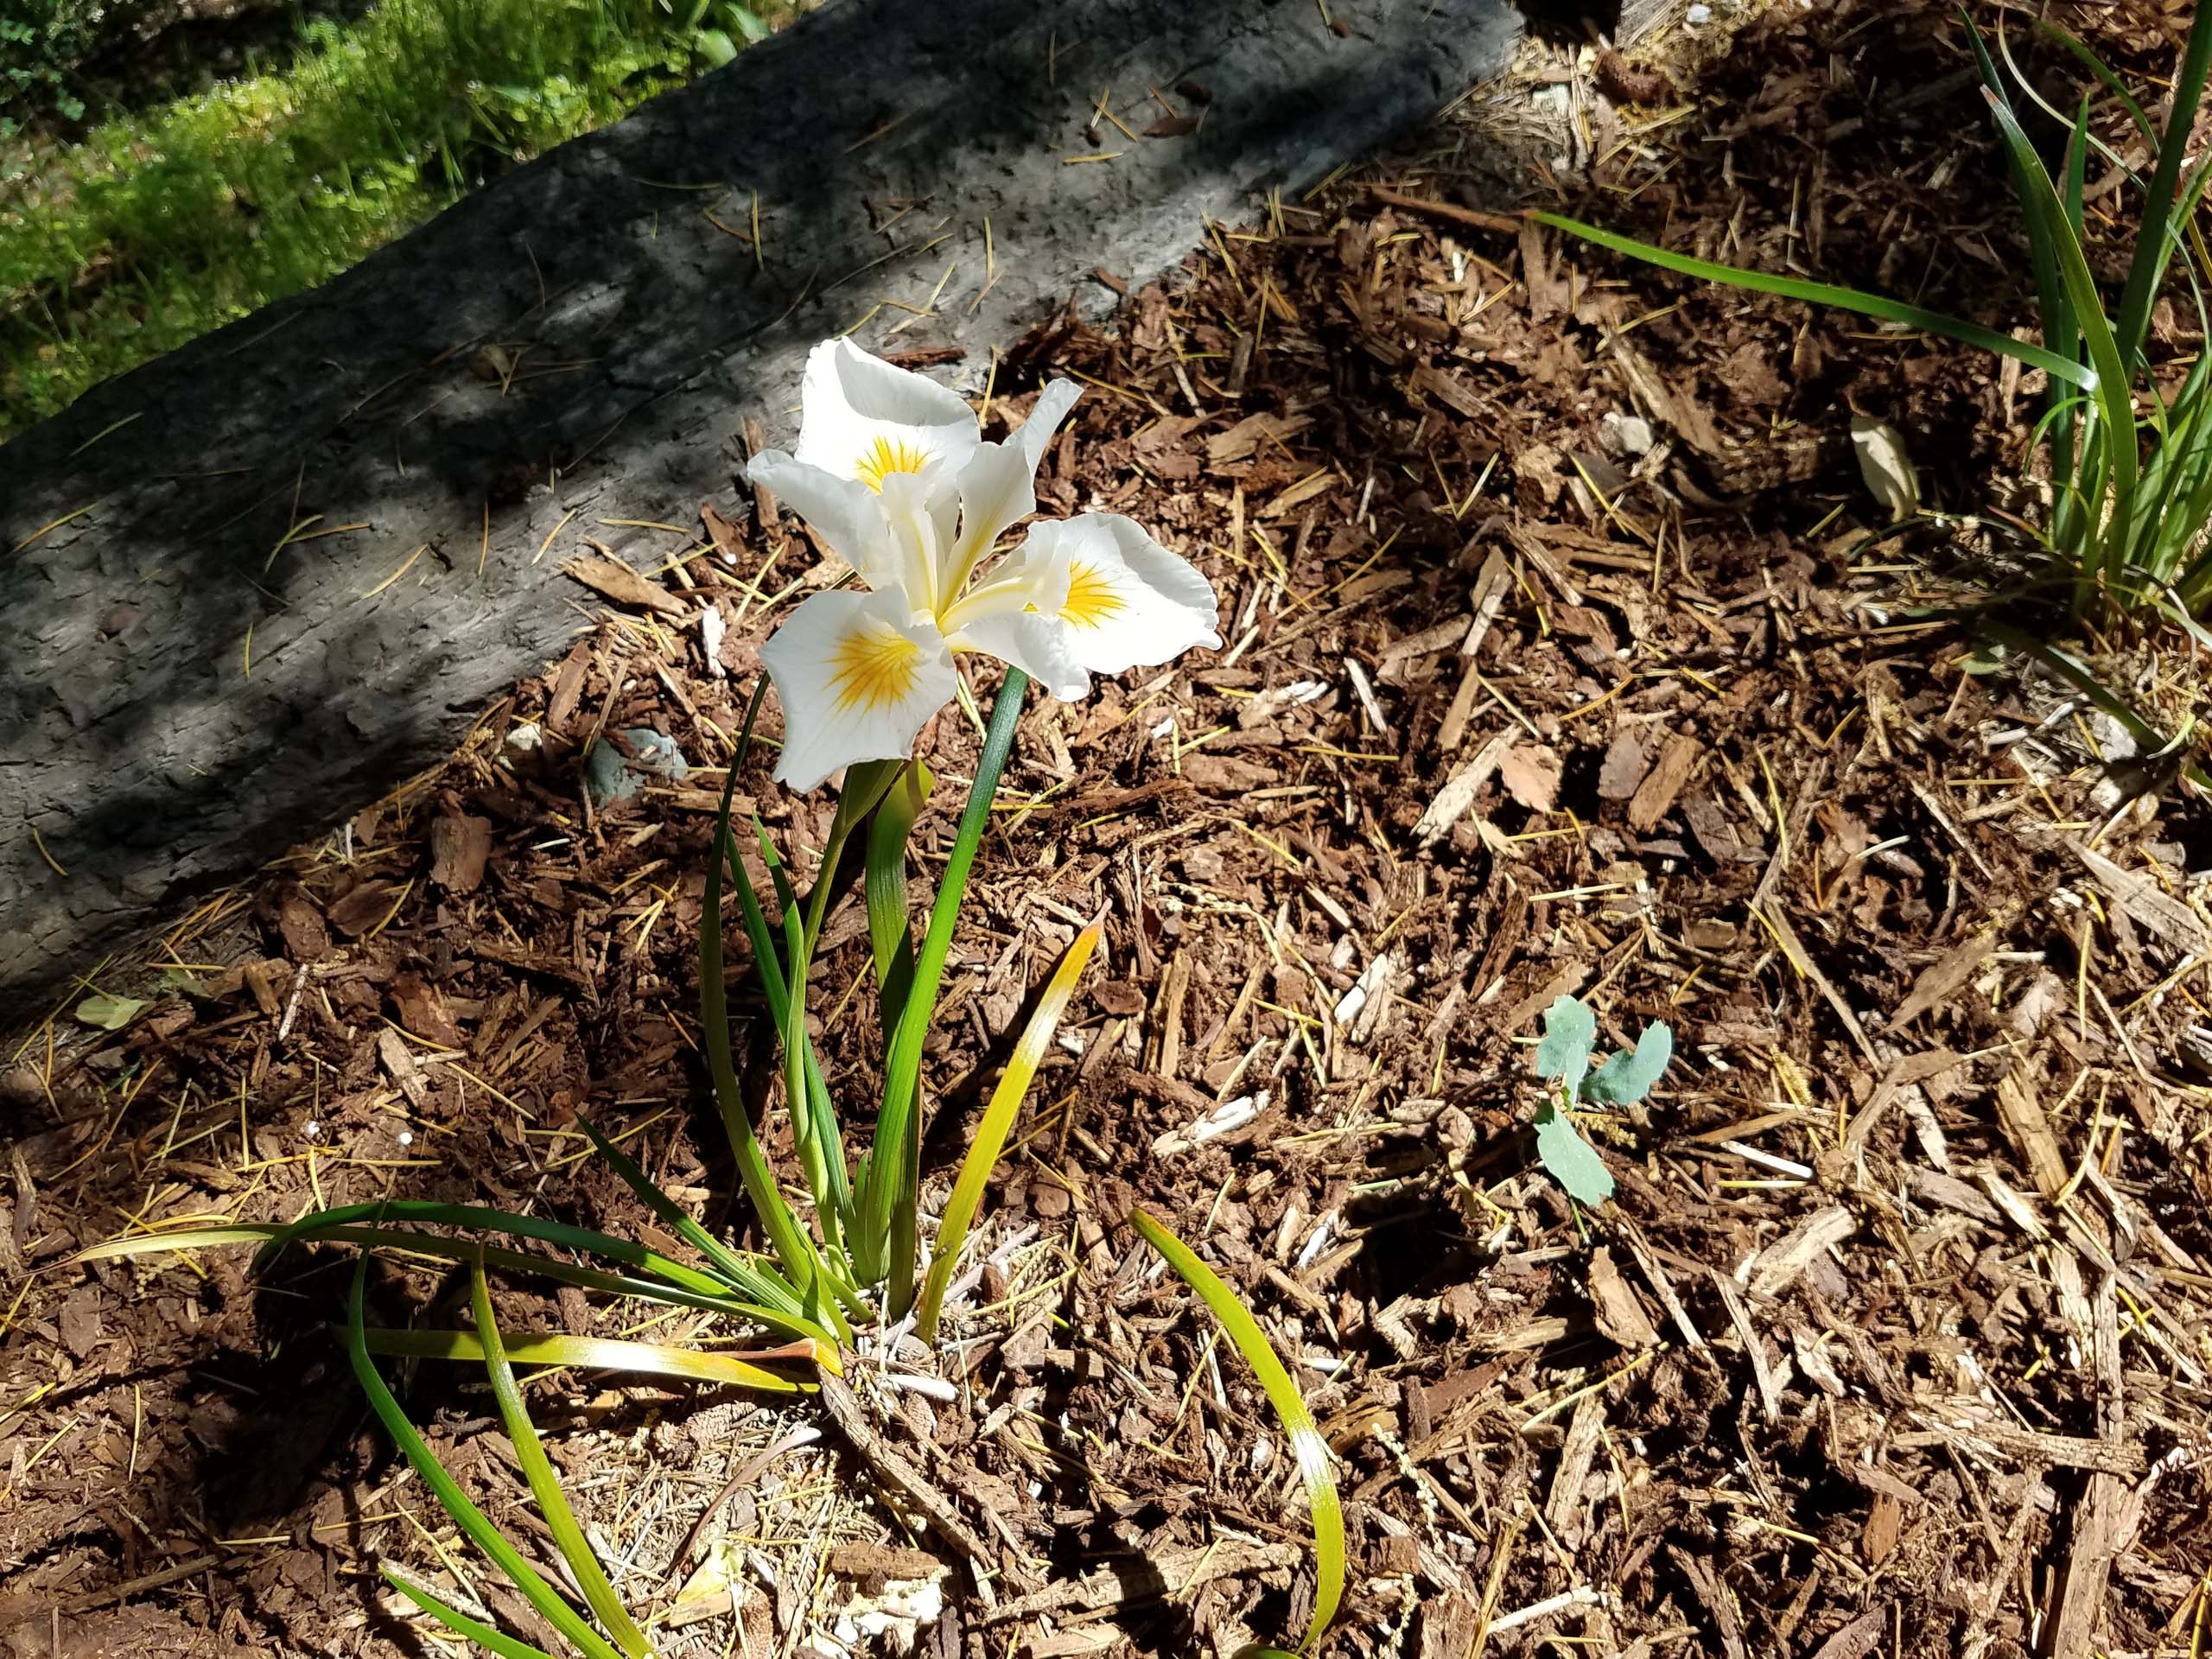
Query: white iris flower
[[893, 472]]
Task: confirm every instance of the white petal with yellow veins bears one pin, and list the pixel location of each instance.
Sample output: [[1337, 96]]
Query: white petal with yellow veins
[[1041, 646], [998, 487], [842, 511], [1130, 603], [861, 418], [857, 679]]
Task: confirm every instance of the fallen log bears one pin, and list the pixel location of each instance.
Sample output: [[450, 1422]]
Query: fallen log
[[204, 657]]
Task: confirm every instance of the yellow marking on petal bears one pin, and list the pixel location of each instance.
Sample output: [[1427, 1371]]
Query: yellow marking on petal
[[1092, 601], [874, 667], [885, 456]]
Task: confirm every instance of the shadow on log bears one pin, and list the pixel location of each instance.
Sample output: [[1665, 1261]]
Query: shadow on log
[[204, 659]]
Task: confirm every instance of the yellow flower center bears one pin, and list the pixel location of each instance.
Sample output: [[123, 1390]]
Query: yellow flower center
[[1091, 599], [873, 668], [885, 456]]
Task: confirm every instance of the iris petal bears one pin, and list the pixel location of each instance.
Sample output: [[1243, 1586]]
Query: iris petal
[[857, 679], [863, 419]]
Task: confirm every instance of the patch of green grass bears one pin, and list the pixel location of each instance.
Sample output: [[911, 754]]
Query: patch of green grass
[[161, 225]]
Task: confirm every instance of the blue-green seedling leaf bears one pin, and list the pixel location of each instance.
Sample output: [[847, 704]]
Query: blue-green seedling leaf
[[1568, 1159], [1628, 1076], [657, 754], [606, 777], [1570, 1030]]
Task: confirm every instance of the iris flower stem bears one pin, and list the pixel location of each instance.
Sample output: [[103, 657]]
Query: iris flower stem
[[808, 934]]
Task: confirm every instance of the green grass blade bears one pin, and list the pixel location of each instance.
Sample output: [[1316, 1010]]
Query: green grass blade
[[2056, 427], [432, 1245], [2196, 582], [2069, 667], [2164, 536], [889, 1198], [866, 786], [889, 935], [2171, 474], [537, 1471], [2040, 200], [497, 1221], [998, 1118], [1306, 1442], [2184, 523], [814, 1132], [470, 1629], [2059, 334], [802, 1264], [610, 1354], [754, 1279], [2077, 169], [549, 1602], [2192, 192], [2072, 525], [786, 894], [2097, 66], [818, 1138], [2154, 241], [774, 987], [1846, 299]]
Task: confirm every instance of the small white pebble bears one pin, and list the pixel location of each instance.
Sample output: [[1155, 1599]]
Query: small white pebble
[[711, 630], [1698, 16], [1624, 435], [407, 1137], [313, 1129]]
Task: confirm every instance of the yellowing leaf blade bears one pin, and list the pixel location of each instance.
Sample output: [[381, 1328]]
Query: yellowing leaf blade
[[1305, 1441], [548, 1601], [552, 1502], [608, 1354], [998, 1118]]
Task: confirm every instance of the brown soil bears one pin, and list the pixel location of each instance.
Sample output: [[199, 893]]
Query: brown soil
[[1895, 1340]]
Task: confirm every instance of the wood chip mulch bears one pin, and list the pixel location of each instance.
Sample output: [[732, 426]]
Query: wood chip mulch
[[1554, 663]]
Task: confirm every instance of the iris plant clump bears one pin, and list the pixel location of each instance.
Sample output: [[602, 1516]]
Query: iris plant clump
[[892, 473]]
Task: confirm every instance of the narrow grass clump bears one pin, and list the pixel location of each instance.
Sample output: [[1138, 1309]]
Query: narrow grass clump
[[2124, 445], [160, 226]]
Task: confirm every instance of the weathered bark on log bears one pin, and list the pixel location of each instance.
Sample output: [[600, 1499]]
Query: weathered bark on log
[[201, 663]]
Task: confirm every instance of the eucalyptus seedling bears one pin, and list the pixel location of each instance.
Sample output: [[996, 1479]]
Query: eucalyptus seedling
[[1563, 1059]]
